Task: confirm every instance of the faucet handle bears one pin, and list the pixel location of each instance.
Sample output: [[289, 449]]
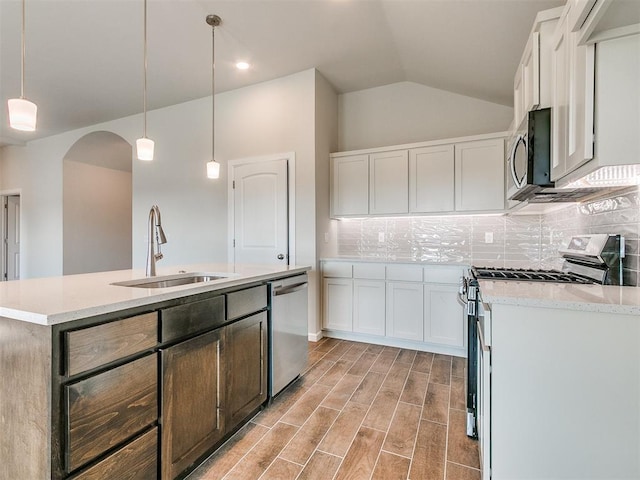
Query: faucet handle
[[159, 256]]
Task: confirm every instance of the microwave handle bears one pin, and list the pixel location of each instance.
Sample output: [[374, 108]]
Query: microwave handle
[[512, 163]]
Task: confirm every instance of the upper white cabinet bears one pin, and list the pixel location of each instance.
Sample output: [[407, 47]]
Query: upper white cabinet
[[532, 87], [350, 185], [573, 99], [598, 20], [479, 171], [463, 174], [388, 182], [431, 179]]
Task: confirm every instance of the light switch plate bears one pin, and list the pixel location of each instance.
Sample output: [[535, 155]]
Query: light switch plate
[[488, 237], [380, 237]]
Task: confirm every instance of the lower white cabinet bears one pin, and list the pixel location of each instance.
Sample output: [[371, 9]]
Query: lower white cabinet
[[368, 307], [396, 304], [338, 304], [405, 315], [442, 315]]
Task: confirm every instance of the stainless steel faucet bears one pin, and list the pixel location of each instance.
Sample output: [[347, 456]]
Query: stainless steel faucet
[[155, 229]]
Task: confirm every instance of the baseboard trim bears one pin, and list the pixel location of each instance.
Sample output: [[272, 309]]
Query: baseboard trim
[[314, 337]]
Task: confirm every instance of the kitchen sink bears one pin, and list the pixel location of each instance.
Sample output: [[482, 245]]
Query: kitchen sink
[[167, 281]]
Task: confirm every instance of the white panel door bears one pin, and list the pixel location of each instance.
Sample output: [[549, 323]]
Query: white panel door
[[260, 218], [431, 179], [12, 240], [444, 317], [480, 175], [338, 304], [350, 185], [405, 317], [368, 307], [389, 182]]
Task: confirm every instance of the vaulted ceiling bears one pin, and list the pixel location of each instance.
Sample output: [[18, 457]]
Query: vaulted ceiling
[[84, 58]]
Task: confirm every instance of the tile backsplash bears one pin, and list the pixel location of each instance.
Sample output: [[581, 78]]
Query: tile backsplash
[[503, 240]]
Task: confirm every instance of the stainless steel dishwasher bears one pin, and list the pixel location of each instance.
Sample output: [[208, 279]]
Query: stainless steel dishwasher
[[288, 331]]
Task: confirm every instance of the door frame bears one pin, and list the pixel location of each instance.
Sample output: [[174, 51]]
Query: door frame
[[290, 157], [3, 220]]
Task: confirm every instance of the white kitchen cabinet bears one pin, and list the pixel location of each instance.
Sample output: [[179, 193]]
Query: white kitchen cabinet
[[479, 175], [573, 100], [350, 185], [389, 182], [338, 304], [598, 20], [405, 314], [369, 307], [443, 315], [531, 73], [532, 81], [431, 179]]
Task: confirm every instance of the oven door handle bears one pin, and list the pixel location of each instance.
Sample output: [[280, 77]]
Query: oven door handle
[[483, 345]]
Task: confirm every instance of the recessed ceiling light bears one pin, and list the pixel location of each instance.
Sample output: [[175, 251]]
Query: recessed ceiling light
[[242, 65]]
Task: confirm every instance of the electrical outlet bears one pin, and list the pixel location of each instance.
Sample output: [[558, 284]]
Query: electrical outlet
[[488, 237], [326, 237], [380, 237]]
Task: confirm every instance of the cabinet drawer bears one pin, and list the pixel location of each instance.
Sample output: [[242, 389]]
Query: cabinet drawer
[[337, 269], [94, 346], [404, 273], [108, 408], [246, 301], [183, 320], [371, 271], [443, 274], [137, 460]]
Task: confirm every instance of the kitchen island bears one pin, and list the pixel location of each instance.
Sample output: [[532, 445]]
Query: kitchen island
[[110, 381], [561, 382]]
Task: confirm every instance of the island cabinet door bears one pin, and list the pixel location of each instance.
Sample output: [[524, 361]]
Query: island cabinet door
[[193, 395], [246, 350], [105, 410]]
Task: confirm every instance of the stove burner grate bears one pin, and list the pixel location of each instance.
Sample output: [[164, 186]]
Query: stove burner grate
[[529, 275]]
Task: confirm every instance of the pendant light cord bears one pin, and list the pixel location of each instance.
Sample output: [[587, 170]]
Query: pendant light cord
[[24, 52], [144, 100], [213, 92]]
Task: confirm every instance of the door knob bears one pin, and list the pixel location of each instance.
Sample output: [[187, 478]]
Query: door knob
[[280, 256]]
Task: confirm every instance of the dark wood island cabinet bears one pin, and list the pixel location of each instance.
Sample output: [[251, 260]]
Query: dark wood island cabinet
[[146, 392]]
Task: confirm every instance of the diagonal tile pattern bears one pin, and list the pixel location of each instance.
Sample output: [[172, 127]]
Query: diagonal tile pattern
[[359, 412]]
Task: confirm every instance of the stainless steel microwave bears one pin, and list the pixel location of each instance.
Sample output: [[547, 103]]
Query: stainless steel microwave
[[529, 158]]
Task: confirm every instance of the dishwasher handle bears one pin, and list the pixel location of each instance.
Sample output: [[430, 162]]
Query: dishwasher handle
[[289, 289]]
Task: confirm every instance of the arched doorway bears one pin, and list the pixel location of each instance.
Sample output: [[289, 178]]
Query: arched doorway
[[97, 204]]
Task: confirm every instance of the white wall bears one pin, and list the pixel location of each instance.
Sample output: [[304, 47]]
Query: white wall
[[407, 112], [96, 218], [326, 141]]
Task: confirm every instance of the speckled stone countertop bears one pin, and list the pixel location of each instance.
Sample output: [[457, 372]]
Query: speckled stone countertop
[[591, 298], [48, 301]]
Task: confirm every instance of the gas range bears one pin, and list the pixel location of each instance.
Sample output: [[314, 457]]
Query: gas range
[[588, 259], [528, 275]]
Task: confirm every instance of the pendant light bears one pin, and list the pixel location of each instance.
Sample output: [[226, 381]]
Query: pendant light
[[213, 167], [22, 112], [145, 145]]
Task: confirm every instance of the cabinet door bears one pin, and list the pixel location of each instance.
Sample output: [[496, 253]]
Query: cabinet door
[[444, 317], [531, 73], [560, 110], [368, 307], [193, 396], [581, 97], [405, 317], [389, 182], [338, 304], [246, 364], [518, 97], [350, 185], [431, 179], [480, 175]]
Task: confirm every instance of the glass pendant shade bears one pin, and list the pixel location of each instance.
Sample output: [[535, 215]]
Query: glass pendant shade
[[144, 146], [22, 114], [213, 169]]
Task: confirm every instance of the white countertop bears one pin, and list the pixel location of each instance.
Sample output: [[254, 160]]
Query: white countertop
[[392, 262], [591, 298], [48, 301]]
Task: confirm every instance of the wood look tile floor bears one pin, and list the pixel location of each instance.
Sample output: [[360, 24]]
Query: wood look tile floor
[[359, 411]]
